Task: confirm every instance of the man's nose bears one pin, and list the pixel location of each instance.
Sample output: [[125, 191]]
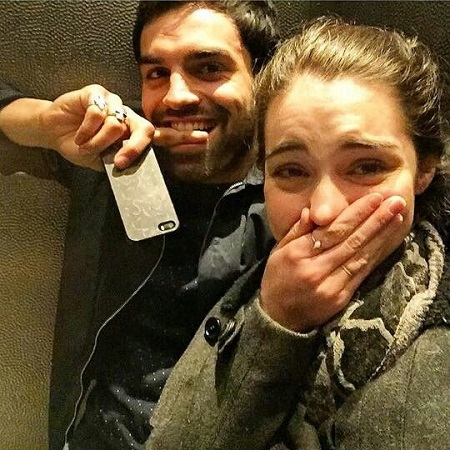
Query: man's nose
[[327, 202], [180, 93]]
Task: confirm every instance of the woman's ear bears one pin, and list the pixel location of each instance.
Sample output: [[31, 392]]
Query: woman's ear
[[425, 174]]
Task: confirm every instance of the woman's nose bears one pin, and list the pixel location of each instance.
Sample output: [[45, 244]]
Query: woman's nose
[[327, 202], [179, 94]]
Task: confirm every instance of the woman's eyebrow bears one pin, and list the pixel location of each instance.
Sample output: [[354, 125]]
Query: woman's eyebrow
[[284, 147], [370, 143], [348, 143]]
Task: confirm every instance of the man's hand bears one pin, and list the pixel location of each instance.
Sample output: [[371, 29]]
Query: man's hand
[[81, 124], [306, 283]]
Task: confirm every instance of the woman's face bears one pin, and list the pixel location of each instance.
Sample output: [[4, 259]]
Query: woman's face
[[329, 143]]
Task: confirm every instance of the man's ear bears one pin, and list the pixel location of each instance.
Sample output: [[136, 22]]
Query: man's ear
[[425, 174]]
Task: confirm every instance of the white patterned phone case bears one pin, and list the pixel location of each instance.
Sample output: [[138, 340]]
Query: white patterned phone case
[[142, 197]]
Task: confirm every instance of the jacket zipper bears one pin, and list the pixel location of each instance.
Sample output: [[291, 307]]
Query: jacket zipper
[[83, 370]]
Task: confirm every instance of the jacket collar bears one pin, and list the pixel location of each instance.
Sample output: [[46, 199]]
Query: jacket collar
[[255, 176]]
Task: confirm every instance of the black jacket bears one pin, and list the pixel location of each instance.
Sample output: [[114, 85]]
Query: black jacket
[[101, 273]]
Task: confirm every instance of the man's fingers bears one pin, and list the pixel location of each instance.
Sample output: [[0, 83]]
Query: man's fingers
[[104, 118], [90, 126], [94, 102], [111, 131], [141, 135], [135, 132]]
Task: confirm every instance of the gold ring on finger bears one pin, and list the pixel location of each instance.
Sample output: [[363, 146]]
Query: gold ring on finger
[[346, 270], [119, 114]]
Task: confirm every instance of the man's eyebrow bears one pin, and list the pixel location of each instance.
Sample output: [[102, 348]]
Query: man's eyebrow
[[207, 53], [149, 59], [192, 54]]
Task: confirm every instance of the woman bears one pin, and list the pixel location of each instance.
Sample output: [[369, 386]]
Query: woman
[[346, 343]]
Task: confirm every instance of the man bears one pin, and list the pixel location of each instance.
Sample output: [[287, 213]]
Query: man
[[128, 309]]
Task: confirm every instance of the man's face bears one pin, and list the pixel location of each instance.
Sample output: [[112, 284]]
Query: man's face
[[196, 90]]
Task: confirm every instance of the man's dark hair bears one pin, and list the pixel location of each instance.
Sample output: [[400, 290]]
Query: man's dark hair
[[255, 20]]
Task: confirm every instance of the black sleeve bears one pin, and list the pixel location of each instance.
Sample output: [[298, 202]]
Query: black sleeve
[[8, 94]]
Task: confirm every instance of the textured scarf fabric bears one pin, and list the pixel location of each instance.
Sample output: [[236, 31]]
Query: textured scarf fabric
[[381, 321]]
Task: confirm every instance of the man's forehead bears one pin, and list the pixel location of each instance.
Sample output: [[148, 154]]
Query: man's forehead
[[191, 31]]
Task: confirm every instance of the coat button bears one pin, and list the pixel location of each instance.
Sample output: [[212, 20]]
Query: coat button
[[213, 329]]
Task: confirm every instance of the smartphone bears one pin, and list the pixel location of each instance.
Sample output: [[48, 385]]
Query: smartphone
[[142, 197]]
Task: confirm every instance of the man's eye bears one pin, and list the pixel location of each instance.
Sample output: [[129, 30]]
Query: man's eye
[[156, 73], [210, 69]]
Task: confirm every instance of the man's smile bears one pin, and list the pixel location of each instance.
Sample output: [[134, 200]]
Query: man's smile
[[200, 125]]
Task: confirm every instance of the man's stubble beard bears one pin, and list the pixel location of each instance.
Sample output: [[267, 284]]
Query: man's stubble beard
[[226, 160], [233, 155]]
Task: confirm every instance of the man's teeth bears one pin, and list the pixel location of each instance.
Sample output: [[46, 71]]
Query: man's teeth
[[190, 126]]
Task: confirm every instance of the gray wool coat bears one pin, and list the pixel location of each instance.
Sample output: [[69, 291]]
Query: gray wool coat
[[240, 390]]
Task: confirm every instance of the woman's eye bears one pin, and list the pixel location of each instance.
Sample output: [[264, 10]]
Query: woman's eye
[[368, 168], [290, 172]]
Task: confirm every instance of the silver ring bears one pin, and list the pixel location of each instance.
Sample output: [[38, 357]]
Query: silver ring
[[98, 101], [119, 114], [316, 243], [346, 270]]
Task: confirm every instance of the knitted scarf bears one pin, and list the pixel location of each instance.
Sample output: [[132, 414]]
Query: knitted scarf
[[382, 320]]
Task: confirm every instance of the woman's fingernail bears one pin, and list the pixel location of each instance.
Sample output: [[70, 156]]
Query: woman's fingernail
[[396, 204], [375, 200]]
